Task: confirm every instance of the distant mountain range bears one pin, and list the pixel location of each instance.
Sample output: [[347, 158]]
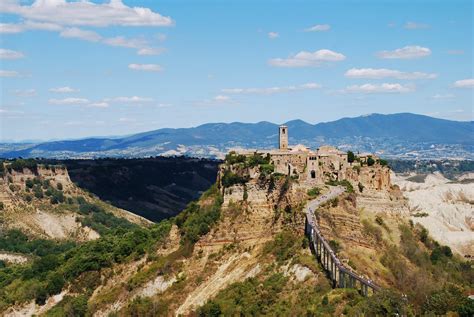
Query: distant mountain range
[[402, 135]]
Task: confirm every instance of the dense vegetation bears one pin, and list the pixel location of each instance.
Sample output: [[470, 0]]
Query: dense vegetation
[[57, 264], [449, 168], [156, 188]]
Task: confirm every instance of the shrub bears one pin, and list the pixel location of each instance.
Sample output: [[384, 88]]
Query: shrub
[[229, 179], [59, 186], [267, 169], [373, 231], [12, 187], [38, 192], [350, 156], [383, 162], [19, 164], [370, 161], [233, 158], [313, 192], [2, 205], [335, 246], [195, 221], [29, 183], [284, 246], [448, 299]]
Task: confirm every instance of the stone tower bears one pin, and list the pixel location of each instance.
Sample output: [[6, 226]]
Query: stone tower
[[283, 137]]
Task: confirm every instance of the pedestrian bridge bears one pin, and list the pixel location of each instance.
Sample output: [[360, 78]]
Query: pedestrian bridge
[[340, 275]]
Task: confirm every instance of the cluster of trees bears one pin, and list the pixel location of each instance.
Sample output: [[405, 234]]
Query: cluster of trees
[[432, 270], [230, 178], [196, 220], [57, 264], [19, 164]]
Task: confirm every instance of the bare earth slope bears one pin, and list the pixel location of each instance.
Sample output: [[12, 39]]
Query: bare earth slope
[[445, 208]]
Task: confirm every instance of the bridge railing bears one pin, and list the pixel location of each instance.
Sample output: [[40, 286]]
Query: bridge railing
[[340, 275]]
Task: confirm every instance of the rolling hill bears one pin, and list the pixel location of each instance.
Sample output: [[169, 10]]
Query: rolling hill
[[394, 135]]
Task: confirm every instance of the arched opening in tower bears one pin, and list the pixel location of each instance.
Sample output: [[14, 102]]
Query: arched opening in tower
[[313, 174]]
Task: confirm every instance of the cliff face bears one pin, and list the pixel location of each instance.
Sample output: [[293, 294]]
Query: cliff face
[[42, 202], [375, 177]]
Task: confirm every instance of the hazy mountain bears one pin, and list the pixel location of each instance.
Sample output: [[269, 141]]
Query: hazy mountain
[[395, 135]]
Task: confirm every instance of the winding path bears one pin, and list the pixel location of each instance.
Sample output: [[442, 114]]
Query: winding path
[[340, 275]]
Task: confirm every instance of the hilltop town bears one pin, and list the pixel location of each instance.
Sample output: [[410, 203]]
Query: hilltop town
[[325, 164]]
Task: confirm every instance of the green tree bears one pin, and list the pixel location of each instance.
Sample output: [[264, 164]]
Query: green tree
[[350, 156], [370, 161]]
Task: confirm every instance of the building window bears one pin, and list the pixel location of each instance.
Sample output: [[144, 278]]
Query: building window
[[313, 174]]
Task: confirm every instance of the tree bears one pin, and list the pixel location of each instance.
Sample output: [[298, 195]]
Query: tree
[[350, 156], [370, 161]]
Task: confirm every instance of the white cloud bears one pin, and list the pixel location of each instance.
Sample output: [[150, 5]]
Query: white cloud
[[101, 104], [9, 28], [86, 13], [318, 28], [271, 90], [124, 42], [407, 52], [146, 67], [150, 51], [80, 34], [379, 73], [10, 54], [133, 99], [414, 26], [221, 98], [464, 83], [273, 35], [69, 101], [9, 73], [25, 93], [65, 89], [443, 96], [308, 59], [380, 88]]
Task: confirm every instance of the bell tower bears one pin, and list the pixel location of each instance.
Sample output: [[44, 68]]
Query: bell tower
[[283, 137]]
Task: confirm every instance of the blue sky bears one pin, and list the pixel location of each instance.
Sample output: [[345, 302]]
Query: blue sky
[[71, 69]]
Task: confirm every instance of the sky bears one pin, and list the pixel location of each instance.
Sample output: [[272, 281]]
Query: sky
[[74, 69]]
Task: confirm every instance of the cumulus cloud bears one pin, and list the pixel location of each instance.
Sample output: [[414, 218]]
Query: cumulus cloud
[[69, 101], [271, 90], [133, 99], [318, 28], [464, 83], [101, 104], [85, 13], [308, 59], [25, 92], [414, 26], [379, 88], [146, 67], [10, 54], [80, 34], [407, 52], [9, 28], [150, 51], [273, 35], [379, 73], [9, 73], [63, 90]]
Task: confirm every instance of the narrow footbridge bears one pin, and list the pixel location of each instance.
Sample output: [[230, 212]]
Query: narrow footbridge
[[340, 275]]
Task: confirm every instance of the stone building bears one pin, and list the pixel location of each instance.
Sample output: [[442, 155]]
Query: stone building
[[316, 166]]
